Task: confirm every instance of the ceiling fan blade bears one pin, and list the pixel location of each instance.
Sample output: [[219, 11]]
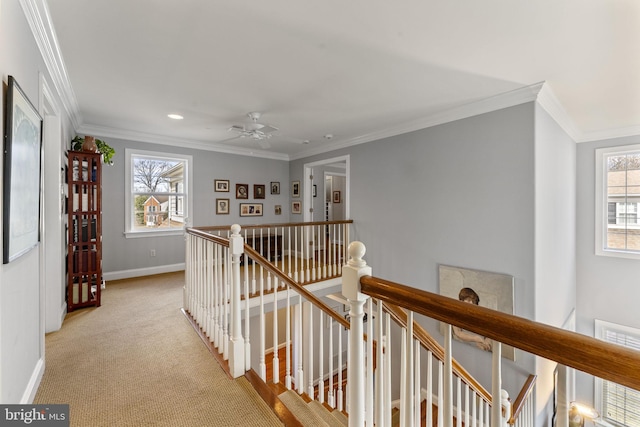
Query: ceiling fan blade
[[268, 129], [236, 128]]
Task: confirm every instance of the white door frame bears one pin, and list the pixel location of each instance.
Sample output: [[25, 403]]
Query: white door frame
[[52, 250], [308, 182]]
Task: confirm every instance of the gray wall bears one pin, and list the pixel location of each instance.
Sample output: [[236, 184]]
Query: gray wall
[[555, 262], [124, 257], [607, 287], [460, 194], [21, 295]]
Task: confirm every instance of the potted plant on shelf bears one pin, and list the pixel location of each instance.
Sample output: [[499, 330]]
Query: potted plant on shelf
[[101, 147]]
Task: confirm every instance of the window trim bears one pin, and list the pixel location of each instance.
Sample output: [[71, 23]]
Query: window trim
[[601, 217], [601, 327], [188, 159]]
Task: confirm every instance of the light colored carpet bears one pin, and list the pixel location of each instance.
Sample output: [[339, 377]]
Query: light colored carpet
[[136, 361]]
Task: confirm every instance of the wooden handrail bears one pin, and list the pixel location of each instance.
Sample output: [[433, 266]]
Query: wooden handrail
[[275, 225], [599, 358], [255, 255], [400, 316], [518, 404]]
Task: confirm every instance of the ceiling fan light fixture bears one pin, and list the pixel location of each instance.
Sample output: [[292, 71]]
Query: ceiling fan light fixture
[[175, 116]]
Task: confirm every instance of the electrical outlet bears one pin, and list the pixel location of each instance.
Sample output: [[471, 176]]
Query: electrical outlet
[[152, 252]]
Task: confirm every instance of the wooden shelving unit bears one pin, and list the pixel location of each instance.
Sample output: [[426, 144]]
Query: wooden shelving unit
[[84, 240]]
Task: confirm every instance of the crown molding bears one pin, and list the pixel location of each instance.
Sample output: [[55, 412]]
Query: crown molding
[[493, 103], [109, 132], [550, 103], [39, 19]]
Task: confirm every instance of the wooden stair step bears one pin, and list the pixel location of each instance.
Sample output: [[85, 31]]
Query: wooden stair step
[[303, 412]]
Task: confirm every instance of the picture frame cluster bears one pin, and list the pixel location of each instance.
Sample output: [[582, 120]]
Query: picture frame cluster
[[242, 192]]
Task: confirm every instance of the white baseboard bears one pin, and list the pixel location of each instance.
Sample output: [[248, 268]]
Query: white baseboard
[[32, 387], [139, 272]]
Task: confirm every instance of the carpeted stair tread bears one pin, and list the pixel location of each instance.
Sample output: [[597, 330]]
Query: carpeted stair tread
[[325, 414], [301, 410], [341, 417]]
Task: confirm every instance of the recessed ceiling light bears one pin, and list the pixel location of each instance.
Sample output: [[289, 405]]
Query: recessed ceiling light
[[175, 116]]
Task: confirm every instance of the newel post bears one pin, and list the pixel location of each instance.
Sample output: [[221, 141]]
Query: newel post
[[236, 347], [351, 273]]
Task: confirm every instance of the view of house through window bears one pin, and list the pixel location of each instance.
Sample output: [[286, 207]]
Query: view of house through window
[[623, 198], [158, 193]]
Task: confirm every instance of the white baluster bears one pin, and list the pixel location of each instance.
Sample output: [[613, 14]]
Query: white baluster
[[379, 375], [287, 369], [440, 393], [429, 389], [448, 379], [295, 247], [459, 402], [307, 310], [340, 396], [387, 372], [225, 306], [320, 358], [330, 395], [416, 382], [298, 347], [369, 372], [276, 358], [496, 384], [263, 365], [236, 351]]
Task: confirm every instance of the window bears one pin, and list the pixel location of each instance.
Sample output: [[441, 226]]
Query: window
[[617, 201], [157, 191], [617, 404]]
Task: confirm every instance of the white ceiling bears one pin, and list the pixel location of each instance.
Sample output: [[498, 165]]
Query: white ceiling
[[354, 69]]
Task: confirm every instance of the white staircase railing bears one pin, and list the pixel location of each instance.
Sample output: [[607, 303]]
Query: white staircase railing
[[233, 295]]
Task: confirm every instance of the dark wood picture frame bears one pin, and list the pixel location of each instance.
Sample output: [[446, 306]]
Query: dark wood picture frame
[[275, 187], [251, 209], [336, 197], [221, 185], [296, 207], [22, 169], [259, 191], [295, 189], [222, 206], [242, 191]]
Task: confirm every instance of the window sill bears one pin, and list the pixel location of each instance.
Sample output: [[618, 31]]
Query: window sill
[[612, 253], [154, 233]]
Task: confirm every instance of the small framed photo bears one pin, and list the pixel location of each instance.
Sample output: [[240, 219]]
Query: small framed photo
[[250, 209], [278, 210], [222, 206], [336, 197], [242, 191], [221, 185], [258, 191], [295, 189], [275, 187], [296, 207], [315, 190]]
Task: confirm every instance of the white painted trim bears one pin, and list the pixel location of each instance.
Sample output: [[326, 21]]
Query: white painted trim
[[33, 384], [39, 19], [497, 102], [140, 272], [177, 142], [601, 202], [188, 184], [550, 103]]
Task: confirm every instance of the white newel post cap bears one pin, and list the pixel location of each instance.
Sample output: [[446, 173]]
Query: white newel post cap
[[355, 268], [236, 242]]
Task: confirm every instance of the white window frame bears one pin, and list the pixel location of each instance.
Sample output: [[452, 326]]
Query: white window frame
[[129, 232], [601, 328], [601, 202]]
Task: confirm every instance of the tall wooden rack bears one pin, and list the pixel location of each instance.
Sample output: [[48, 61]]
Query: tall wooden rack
[[84, 240]]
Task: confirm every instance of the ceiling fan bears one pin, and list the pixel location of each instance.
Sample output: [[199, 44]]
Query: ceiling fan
[[254, 130]]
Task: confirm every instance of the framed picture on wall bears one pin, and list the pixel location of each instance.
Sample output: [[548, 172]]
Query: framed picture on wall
[[336, 197], [275, 187], [296, 207], [221, 185], [295, 189], [21, 180], [250, 209], [278, 209], [222, 206], [242, 191], [315, 190], [258, 191]]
